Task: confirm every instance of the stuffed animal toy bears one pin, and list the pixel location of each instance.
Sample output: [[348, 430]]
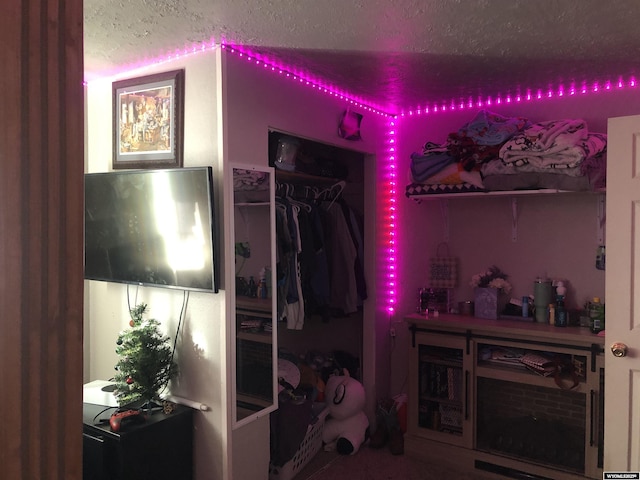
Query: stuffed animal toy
[[346, 427]]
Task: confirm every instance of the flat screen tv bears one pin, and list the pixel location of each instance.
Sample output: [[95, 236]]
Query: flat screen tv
[[152, 228]]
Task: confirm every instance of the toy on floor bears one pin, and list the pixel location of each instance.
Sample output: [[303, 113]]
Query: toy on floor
[[347, 426]]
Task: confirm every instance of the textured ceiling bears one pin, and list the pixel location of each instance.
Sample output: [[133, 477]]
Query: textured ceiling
[[396, 54]]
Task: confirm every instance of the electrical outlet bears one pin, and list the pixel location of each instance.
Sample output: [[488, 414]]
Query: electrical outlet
[[392, 332]]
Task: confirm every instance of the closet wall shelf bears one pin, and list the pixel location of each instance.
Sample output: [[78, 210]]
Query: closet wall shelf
[[299, 177], [252, 204], [256, 337], [514, 194], [253, 304], [501, 193]]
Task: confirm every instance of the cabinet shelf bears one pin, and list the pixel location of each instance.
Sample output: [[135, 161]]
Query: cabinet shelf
[[498, 410], [443, 362], [441, 400], [521, 375], [260, 337], [251, 305]]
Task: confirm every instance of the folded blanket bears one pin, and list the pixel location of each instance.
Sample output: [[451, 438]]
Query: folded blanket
[[552, 144], [595, 168], [453, 174], [418, 189], [489, 128], [595, 144], [432, 159], [496, 167], [469, 153], [552, 179]]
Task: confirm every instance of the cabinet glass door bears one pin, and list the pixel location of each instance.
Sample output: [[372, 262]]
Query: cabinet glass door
[[439, 407], [253, 299]]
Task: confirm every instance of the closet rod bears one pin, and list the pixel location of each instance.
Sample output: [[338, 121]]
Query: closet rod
[[309, 192]]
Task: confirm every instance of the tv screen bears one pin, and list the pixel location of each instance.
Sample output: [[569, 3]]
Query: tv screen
[[151, 227]]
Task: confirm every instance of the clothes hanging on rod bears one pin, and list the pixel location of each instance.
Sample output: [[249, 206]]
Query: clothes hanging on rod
[[319, 241], [309, 193]]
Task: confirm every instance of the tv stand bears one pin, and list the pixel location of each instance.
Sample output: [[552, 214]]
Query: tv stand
[[473, 400], [158, 449]]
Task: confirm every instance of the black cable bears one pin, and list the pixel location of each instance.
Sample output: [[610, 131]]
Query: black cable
[[129, 299], [95, 422], [185, 298]]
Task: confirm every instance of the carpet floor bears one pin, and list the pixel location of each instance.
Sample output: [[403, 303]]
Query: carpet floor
[[375, 464]]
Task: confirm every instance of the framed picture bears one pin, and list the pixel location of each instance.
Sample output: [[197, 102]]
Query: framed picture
[[148, 115]]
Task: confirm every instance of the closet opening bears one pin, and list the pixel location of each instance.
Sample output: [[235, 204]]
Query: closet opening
[[320, 212]]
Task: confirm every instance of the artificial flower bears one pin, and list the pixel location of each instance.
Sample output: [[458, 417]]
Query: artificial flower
[[492, 278]]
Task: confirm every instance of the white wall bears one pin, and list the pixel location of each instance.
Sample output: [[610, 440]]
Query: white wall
[[257, 99], [200, 349], [557, 234]]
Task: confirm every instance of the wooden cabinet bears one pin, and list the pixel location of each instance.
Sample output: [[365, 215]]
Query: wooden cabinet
[[441, 370], [506, 397], [158, 449]]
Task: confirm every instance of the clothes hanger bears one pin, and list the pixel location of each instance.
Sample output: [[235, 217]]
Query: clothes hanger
[[340, 186]]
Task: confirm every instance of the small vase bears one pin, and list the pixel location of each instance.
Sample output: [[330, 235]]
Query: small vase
[[489, 302]]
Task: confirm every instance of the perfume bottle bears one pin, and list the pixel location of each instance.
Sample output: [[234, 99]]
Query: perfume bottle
[[253, 288], [561, 312]]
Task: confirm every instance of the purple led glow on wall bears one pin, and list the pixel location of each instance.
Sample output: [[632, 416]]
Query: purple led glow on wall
[[187, 51], [558, 92], [389, 194], [388, 208], [300, 77], [387, 256]]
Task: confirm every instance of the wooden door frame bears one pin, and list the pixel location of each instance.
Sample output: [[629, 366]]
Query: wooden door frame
[[41, 239]]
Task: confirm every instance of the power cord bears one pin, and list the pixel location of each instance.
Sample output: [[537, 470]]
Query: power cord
[[104, 420]]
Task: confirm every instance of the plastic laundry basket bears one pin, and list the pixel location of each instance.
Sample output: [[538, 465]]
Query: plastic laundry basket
[[310, 446]]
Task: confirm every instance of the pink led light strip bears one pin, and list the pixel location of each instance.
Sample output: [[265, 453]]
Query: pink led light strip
[[389, 217], [560, 92], [300, 77], [388, 226], [388, 231], [389, 167]]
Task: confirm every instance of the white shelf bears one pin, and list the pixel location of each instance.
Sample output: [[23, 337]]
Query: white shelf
[[498, 193], [513, 195], [252, 204]]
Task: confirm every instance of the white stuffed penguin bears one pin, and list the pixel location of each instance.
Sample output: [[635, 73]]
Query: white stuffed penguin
[[347, 426]]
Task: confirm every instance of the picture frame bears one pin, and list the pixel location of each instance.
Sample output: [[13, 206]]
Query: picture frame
[[148, 121]]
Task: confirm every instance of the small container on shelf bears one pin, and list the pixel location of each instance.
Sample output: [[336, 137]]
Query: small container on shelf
[[596, 316], [561, 312]]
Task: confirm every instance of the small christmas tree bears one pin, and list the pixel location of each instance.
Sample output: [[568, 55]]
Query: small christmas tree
[[146, 361]]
